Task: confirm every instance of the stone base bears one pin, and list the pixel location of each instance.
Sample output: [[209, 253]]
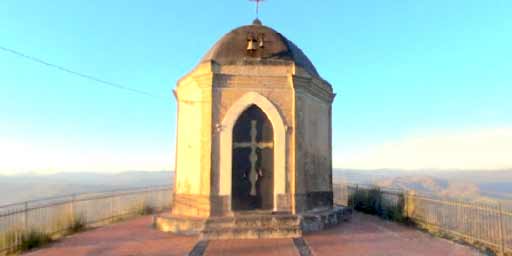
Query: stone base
[[178, 224], [322, 219], [253, 224]]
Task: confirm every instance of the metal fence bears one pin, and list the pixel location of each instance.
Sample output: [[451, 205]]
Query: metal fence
[[487, 225], [57, 215]]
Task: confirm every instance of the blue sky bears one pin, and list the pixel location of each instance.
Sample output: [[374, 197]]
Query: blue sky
[[410, 76]]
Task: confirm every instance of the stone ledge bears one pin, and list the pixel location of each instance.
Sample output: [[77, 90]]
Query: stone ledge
[[318, 220], [253, 225], [179, 225]]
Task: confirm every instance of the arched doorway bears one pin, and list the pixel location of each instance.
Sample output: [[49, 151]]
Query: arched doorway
[[226, 144], [252, 172]]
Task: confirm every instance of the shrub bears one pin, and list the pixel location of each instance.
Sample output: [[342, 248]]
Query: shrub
[[79, 224], [366, 200], [33, 239], [147, 209], [372, 201], [395, 211]]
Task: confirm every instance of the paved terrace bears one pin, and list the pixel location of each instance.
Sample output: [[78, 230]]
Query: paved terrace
[[363, 235]]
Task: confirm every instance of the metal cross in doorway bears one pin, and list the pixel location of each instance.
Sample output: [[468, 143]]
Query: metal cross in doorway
[[253, 157]]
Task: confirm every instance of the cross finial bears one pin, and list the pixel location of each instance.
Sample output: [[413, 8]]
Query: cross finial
[[257, 6]]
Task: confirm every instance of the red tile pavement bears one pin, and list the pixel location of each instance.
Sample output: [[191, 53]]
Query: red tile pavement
[[370, 236], [278, 247], [134, 237], [363, 236]]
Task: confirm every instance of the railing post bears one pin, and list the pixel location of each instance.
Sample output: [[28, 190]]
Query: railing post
[[144, 200], [25, 216], [502, 233], [112, 207], [410, 203], [345, 192], [72, 209], [405, 194]]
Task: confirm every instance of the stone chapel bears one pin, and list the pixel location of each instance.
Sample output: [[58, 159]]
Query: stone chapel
[[253, 140]]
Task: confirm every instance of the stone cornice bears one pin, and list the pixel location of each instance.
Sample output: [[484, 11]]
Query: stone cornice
[[313, 87], [206, 75], [201, 80], [202, 68], [250, 81]]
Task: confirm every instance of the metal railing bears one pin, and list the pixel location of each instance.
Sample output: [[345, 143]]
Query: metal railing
[[477, 223], [483, 224], [57, 215]]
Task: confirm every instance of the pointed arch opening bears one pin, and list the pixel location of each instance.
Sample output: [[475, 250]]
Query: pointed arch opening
[[252, 102], [252, 165]]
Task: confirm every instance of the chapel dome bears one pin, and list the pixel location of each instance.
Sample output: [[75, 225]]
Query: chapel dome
[[270, 47]]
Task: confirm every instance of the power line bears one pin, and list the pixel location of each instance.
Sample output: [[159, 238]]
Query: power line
[[82, 75]]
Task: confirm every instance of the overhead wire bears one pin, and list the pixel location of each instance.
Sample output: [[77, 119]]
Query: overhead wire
[[79, 74]]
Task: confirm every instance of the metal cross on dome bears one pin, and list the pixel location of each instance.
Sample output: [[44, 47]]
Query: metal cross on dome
[[257, 6]]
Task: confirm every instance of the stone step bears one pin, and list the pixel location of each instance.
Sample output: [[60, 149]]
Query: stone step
[[251, 233], [254, 217], [253, 222]]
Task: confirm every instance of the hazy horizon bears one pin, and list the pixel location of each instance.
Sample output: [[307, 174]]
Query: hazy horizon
[[475, 185], [425, 171]]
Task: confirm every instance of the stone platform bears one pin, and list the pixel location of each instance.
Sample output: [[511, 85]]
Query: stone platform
[[253, 224], [363, 235]]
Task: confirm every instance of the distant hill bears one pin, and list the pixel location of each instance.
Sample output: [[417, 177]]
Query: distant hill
[[477, 186], [17, 188], [431, 185], [480, 186]]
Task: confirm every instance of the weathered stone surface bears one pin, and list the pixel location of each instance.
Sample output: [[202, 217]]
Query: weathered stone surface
[[278, 79], [254, 224], [272, 47], [319, 220], [182, 225]]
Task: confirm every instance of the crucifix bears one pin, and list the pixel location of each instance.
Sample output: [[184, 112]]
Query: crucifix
[[257, 6], [253, 157]]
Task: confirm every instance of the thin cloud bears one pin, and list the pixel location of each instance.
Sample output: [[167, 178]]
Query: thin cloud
[[482, 149], [19, 157]]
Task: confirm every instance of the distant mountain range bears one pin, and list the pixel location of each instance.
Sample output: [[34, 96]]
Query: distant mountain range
[[476, 186], [482, 186], [17, 188]]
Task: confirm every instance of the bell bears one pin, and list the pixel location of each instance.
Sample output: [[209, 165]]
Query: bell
[[261, 45], [251, 45]]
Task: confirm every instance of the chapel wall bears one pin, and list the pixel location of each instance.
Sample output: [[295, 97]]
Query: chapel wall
[[313, 148], [193, 147], [229, 88], [193, 151]]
